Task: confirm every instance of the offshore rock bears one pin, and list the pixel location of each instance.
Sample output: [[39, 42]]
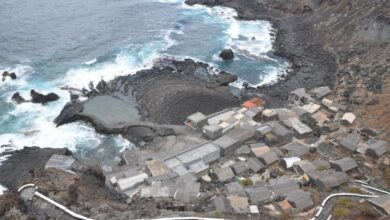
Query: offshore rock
[[227, 54], [40, 98]]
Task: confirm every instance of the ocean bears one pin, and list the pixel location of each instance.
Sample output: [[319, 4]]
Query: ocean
[[51, 44]]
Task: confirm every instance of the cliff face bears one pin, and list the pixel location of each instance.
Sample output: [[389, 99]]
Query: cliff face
[[340, 43], [358, 32]]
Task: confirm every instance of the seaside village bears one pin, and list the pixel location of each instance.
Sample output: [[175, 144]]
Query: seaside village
[[253, 160]]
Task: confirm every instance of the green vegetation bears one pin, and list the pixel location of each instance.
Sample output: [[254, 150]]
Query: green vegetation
[[346, 202], [218, 214], [341, 212], [246, 182], [355, 190], [386, 175]]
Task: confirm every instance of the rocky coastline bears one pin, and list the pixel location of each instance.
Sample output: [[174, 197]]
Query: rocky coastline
[[171, 90], [295, 40], [164, 94]]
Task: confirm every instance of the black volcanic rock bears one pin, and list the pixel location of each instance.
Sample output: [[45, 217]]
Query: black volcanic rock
[[40, 98], [12, 75], [227, 54], [16, 97], [69, 113], [20, 165]]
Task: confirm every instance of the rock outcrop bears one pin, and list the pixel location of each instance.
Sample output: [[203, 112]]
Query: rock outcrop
[[16, 97], [227, 54], [40, 98], [11, 75]]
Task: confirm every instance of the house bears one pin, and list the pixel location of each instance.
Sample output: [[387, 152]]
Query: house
[[242, 133], [212, 132], [60, 162], [304, 166], [344, 165], [165, 179], [187, 192], [320, 92], [332, 106], [269, 115], [196, 120], [321, 117], [329, 127], [224, 173], [262, 131], [131, 182], [283, 185], [189, 160], [239, 203], [327, 179], [289, 162], [235, 188], [320, 164], [156, 190], [269, 158], [299, 96], [243, 150], [382, 203], [157, 167], [259, 148], [239, 167], [254, 102], [299, 111], [227, 144], [285, 113], [377, 149], [255, 165], [281, 131], [350, 142], [254, 114], [300, 129], [198, 167], [311, 108], [259, 194], [296, 149], [348, 119], [222, 204], [300, 199]]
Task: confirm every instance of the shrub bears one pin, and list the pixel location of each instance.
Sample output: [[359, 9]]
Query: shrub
[[218, 214], [340, 212], [346, 202], [355, 190], [246, 182], [386, 175]]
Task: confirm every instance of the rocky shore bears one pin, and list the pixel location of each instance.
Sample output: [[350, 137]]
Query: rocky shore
[[164, 95], [341, 44]]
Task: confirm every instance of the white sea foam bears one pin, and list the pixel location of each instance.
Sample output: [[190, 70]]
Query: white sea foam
[[90, 62], [22, 71], [270, 75], [2, 190]]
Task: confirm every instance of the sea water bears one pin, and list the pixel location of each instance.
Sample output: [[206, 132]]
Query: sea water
[[51, 44]]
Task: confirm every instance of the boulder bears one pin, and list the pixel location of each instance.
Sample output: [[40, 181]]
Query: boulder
[[102, 87], [12, 75], [74, 96], [225, 78], [40, 98], [227, 54], [16, 97]]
